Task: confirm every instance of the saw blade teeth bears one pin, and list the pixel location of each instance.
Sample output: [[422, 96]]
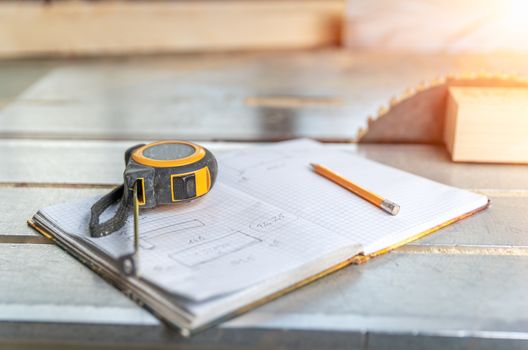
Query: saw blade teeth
[[394, 101], [421, 86], [408, 93], [382, 110], [439, 80]]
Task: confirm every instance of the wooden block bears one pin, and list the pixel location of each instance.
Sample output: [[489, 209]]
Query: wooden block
[[123, 27], [487, 124]]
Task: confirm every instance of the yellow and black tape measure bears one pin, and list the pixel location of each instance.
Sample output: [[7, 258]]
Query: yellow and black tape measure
[[164, 172], [171, 171]]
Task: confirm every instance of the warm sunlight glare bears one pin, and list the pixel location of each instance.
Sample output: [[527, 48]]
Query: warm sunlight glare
[[516, 15]]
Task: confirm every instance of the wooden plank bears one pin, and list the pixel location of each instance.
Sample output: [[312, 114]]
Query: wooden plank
[[20, 204], [451, 341], [222, 99], [97, 166], [70, 163], [75, 336], [72, 336], [42, 283], [502, 225], [18, 76], [63, 162], [101, 163], [406, 294], [328, 94], [81, 28], [438, 294]]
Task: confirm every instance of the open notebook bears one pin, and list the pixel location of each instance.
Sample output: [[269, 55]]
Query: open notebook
[[269, 225]]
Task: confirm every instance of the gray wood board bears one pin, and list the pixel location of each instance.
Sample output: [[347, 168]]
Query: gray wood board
[[503, 224], [42, 283], [409, 293], [18, 76], [19, 204], [75, 336], [92, 162], [70, 162], [415, 295], [208, 97]]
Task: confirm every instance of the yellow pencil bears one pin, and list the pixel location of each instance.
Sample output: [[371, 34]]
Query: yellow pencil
[[385, 204]]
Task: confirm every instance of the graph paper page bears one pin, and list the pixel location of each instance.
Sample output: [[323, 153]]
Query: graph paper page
[[281, 174], [220, 243]]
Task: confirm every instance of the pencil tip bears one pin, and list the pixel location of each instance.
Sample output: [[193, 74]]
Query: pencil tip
[[313, 165]]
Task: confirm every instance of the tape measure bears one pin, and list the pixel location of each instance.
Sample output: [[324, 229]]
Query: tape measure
[[165, 172]]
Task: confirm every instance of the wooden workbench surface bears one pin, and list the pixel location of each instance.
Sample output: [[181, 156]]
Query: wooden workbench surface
[[463, 286]]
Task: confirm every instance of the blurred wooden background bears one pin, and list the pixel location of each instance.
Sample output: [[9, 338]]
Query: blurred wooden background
[[112, 27], [37, 28]]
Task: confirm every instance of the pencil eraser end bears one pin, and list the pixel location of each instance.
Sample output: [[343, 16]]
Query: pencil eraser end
[[390, 207]]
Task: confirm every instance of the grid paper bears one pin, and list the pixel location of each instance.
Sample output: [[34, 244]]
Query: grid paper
[[220, 243], [284, 177]]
